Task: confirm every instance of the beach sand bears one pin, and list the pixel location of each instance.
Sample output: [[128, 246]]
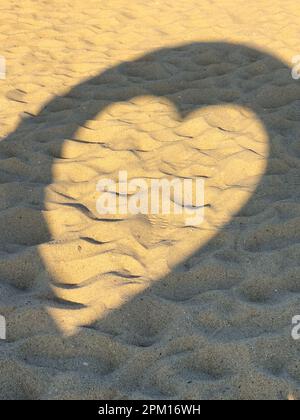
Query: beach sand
[[146, 306]]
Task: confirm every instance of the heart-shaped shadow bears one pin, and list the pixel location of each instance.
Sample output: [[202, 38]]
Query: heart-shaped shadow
[[210, 306]]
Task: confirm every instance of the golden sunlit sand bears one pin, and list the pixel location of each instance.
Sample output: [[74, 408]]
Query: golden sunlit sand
[[144, 306]]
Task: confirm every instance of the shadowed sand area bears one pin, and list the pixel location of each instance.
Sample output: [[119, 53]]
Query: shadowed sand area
[[143, 306]]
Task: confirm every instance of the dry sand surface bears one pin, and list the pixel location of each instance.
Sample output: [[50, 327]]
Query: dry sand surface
[[144, 306]]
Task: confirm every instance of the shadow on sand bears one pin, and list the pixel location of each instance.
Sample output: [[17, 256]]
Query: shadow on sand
[[137, 350]]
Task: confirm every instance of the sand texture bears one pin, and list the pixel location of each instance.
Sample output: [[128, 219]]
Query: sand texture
[[144, 306]]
